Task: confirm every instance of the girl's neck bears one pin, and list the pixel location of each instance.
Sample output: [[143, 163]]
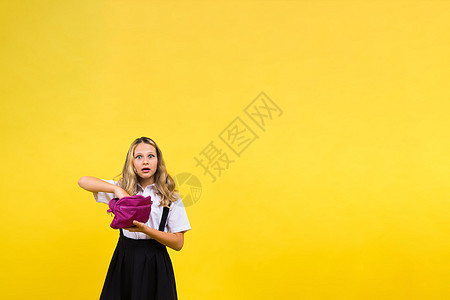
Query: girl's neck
[[145, 182]]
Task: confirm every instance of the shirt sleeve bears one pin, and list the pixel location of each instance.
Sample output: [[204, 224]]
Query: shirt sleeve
[[177, 220], [103, 197]]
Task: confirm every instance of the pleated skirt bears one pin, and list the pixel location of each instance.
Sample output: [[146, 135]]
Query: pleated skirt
[[139, 269]]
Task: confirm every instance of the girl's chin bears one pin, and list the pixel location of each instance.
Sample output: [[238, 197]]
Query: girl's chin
[[145, 175]]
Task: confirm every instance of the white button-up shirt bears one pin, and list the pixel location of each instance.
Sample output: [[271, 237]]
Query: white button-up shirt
[[177, 220]]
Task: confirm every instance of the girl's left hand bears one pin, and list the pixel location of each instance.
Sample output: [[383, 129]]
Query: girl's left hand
[[139, 227]]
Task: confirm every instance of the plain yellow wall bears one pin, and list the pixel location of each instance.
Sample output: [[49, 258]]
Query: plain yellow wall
[[342, 196]]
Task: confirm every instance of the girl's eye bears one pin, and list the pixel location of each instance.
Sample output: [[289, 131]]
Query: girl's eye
[[138, 156]]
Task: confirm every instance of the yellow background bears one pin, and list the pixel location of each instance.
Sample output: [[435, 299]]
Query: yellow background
[[345, 196]]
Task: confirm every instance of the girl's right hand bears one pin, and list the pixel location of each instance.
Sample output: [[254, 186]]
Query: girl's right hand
[[120, 192]]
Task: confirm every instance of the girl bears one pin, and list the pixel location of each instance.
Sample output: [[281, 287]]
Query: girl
[[140, 267]]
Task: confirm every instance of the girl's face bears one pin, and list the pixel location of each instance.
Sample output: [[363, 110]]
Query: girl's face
[[145, 161]]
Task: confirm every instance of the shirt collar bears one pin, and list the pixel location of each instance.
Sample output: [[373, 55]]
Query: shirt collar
[[151, 186]]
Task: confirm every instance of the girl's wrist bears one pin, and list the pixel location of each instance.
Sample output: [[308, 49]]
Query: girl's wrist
[[147, 230], [116, 191], [120, 192]]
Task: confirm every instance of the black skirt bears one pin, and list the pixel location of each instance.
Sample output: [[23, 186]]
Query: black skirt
[[139, 269]]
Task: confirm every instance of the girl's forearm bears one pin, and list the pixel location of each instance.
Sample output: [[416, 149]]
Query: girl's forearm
[[172, 240], [94, 184]]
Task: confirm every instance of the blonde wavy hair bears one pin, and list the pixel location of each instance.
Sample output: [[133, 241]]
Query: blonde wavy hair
[[165, 185]]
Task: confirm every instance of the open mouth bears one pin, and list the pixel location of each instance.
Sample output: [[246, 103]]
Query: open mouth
[[146, 170]]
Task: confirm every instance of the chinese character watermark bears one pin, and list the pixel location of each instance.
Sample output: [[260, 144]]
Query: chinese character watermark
[[237, 136], [217, 156]]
